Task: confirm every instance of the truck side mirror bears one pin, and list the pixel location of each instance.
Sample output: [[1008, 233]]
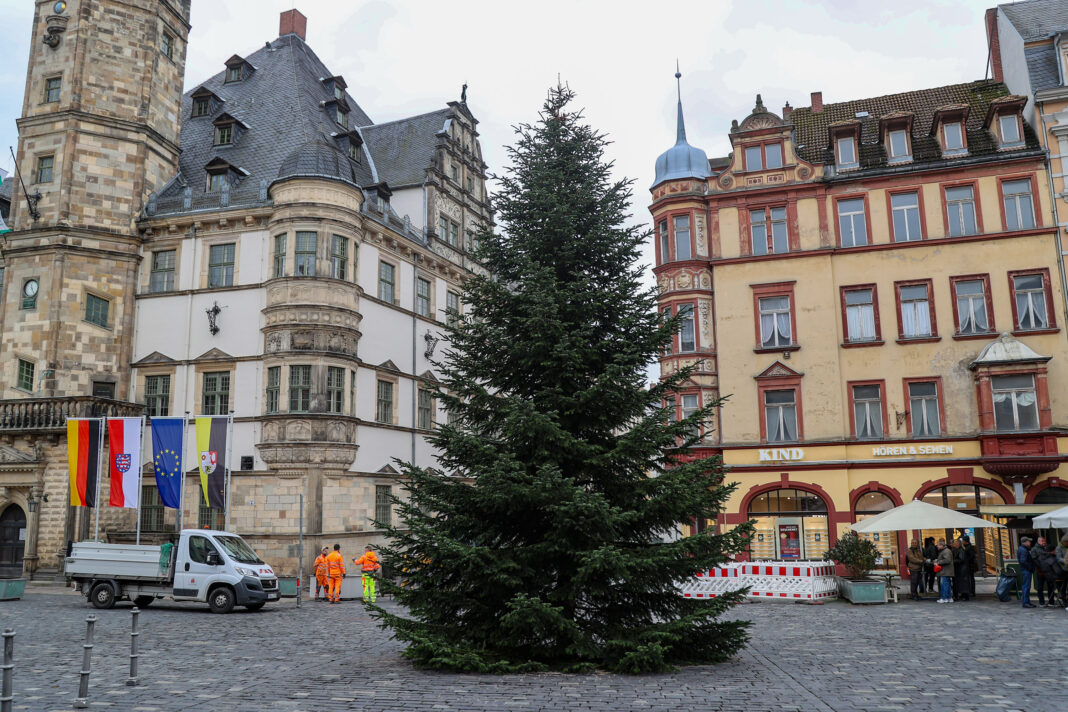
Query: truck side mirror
[[212, 558]]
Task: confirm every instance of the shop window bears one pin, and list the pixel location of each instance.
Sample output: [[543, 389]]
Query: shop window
[[960, 211], [973, 310], [1031, 301], [790, 524], [869, 505], [992, 545], [867, 411], [861, 315], [1015, 402], [1019, 204], [768, 229], [852, 223], [905, 214], [1052, 495]]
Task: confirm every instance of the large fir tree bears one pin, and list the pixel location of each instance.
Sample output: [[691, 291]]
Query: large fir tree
[[548, 543]]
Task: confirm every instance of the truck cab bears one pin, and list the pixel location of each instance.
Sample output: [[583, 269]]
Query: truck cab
[[215, 567]]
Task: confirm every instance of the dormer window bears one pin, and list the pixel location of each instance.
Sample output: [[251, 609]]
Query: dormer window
[[222, 175], [846, 152], [763, 157], [953, 136], [216, 181], [336, 86], [342, 117], [339, 92], [201, 106], [898, 144], [237, 69], [1009, 130], [354, 151], [948, 128], [224, 134], [349, 143], [205, 101], [233, 74]]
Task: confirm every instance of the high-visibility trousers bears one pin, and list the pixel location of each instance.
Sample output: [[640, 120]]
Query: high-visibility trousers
[[369, 586], [321, 585], [334, 594]]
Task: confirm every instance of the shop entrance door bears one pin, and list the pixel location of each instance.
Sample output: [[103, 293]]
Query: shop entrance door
[[791, 525], [991, 545], [12, 541]]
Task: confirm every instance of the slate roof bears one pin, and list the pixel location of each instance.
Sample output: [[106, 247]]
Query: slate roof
[[813, 140], [291, 131], [1037, 19], [404, 149]]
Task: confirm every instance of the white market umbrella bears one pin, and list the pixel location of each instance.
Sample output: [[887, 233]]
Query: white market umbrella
[[1056, 518], [920, 515]]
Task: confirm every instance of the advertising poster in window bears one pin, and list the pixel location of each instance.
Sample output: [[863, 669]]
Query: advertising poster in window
[[789, 541]]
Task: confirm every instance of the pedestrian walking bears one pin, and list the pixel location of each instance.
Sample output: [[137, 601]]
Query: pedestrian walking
[[369, 568], [930, 553], [1027, 569], [322, 579], [915, 562], [1045, 573], [335, 571], [943, 566]]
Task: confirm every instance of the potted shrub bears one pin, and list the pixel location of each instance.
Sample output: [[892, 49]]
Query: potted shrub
[[857, 556]]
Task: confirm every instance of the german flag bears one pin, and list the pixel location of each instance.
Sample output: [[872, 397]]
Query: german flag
[[84, 440]]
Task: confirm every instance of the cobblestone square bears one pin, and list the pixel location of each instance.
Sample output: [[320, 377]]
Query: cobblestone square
[[975, 656]]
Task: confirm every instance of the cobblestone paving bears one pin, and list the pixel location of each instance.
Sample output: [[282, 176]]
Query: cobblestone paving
[[977, 656]]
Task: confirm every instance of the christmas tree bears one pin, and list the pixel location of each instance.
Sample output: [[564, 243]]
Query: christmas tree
[[550, 539]]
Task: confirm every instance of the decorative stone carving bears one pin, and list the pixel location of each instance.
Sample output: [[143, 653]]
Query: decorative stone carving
[[298, 430], [682, 280], [706, 281], [804, 172], [702, 243], [726, 181], [706, 323]]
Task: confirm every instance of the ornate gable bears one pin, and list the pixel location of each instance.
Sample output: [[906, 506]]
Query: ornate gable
[[154, 358], [779, 370], [215, 355]]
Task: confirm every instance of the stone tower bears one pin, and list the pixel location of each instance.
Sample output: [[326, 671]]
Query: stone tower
[[99, 132]]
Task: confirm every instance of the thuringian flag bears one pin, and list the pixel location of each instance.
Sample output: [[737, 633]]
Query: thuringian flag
[[168, 441], [84, 440], [212, 432], [124, 460]]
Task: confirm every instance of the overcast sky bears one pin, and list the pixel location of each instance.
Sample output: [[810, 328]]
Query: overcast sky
[[412, 56]]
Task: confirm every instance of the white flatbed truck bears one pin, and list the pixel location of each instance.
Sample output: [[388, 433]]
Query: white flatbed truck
[[214, 567]]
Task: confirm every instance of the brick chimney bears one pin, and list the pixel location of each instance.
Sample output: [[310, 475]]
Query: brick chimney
[[786, 111], [993, 45], [817, 102], [292, 22]]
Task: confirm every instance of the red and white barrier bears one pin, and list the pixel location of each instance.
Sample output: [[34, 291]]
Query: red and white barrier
[[777, 580]]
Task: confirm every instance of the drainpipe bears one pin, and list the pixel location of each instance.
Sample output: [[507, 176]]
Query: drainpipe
[[415, 378]]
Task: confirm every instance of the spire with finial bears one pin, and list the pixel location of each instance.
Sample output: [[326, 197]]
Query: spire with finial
[[681, 130]]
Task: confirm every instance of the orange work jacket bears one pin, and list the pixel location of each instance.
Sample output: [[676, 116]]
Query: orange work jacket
[[335, 564], [320, 566], [367, 562]]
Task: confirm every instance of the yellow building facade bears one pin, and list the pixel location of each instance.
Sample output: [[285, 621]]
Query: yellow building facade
[[873, 287]]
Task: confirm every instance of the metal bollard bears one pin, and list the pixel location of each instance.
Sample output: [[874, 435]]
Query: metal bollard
[[8, 668], [83, 686], [132, 680]]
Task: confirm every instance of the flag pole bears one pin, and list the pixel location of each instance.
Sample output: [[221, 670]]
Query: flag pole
[[229, 468], [99, 475], [181, 476], [140, 475]]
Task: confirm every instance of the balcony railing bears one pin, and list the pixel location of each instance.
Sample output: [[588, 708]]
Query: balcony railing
[[43, 414]]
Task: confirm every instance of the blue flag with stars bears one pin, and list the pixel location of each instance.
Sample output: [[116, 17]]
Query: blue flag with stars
[[168, 442]]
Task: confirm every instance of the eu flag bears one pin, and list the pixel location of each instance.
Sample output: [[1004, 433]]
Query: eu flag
[[168, 442]]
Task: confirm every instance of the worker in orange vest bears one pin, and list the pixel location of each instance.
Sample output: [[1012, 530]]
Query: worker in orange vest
[[369, 566], [321, 579], [335, 571]]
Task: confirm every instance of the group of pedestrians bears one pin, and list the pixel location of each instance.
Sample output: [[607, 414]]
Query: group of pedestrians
[[330, 572], [1047, 565], [954, 566]]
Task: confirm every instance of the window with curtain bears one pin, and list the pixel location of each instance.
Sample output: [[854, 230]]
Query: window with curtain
[[1030, 294], [775, 324], [915, 311], [971, 306], [923, 409], [868, 411], [860, 315], [780, 415], [1015, 402]]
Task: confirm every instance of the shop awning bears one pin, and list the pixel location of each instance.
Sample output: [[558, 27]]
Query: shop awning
[[1017, 510]]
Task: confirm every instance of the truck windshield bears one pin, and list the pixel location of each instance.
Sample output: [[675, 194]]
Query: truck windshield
[[238, 550]]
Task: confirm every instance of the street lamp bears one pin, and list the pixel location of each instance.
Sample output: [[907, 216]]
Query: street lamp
[[31, 504]]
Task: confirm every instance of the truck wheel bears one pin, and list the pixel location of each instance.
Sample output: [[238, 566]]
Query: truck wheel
[[102, 595], [144, 601], [255, 606], [221, 600]]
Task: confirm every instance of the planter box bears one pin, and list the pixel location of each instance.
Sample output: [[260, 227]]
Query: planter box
[[12, 589], [867, 591]]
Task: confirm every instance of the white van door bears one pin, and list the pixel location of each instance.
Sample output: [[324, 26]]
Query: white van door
[[195, 572]]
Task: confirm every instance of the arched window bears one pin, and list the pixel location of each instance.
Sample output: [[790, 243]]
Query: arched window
[[790, 524], [868, 505], [1052, 495]]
